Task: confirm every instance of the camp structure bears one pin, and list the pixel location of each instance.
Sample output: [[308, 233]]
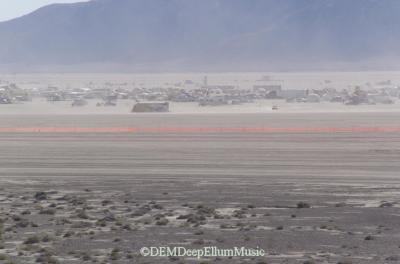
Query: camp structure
[[151, 107]]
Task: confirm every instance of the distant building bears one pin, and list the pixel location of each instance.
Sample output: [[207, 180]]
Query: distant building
[[205, 81], [268, 91], [5, 99], [267, 88], [222, 88], [213, 101], [292, 94], [313, 98], [151, 107], [79, 102]]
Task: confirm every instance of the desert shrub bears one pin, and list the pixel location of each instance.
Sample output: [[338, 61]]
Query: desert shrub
[[32, 240]]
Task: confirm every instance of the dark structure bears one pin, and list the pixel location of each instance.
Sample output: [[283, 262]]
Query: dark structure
[[156, 107]]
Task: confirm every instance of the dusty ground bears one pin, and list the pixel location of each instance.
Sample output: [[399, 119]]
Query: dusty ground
[[39, 106], [99, 198]]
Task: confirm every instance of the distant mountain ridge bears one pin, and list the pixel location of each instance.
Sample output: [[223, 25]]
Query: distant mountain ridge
[[206, 35]]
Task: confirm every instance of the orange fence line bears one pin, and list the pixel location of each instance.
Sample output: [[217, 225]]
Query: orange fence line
[[198, 129]]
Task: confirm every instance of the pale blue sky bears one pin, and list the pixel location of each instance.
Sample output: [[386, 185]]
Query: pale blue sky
[[14, 8]]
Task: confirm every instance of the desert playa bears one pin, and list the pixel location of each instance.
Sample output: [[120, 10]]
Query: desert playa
[[304, 196]]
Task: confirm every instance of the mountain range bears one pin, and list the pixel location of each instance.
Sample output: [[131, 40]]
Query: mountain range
[[205, 35]]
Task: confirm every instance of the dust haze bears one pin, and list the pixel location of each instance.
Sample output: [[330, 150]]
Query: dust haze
[[205, 125]]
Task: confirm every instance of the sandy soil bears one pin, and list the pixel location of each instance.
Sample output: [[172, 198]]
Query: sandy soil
[[99, 198]]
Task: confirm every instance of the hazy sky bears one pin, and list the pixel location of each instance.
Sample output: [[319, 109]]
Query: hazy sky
[[14, 8]]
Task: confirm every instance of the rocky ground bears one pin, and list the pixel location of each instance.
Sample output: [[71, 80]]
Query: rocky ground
[[108, 222]]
